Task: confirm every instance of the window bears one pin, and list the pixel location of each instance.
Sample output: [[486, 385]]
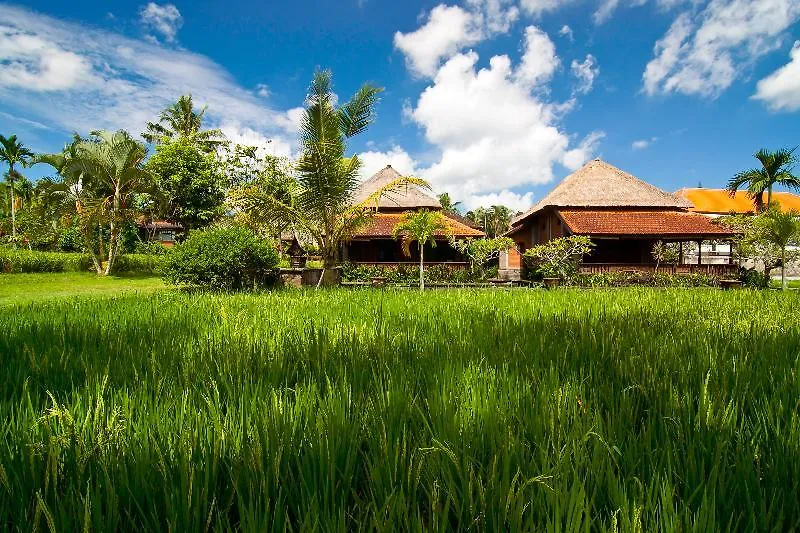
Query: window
[[166, 236]]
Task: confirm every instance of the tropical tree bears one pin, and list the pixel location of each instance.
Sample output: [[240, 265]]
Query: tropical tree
[[421, 227], [559, 257], [181, 120], [481, 251], [494, 220], [191, 180], [319, 204], [101, 179], [782, 230], [776, 169], [448, 205], [14, 153], [667, 253]]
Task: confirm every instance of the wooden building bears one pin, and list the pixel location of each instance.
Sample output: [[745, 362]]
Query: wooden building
[[162, 231], [624, 217], [374, 243]]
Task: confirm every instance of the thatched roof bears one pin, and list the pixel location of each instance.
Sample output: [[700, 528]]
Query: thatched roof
[[599, 184], [411, 197]]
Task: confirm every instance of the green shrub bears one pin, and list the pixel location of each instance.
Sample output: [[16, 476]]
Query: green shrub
[[150, 248], [753, 279], [25, 261], [649, 279], [409, 274], [139, 263], [222, 258]]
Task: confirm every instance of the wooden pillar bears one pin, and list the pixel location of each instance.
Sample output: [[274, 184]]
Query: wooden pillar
[[699, 252], [680, 253]]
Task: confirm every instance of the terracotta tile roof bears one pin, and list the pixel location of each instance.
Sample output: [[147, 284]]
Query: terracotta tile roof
[[383, 224], [719, 202], [159, 225], [641, 222]]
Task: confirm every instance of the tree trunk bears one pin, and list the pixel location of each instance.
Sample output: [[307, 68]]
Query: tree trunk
[[783, 268], [769, 196], [13, 206], [421, 268]]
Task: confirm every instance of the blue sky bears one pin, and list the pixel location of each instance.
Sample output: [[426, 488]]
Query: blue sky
[[490, 100]]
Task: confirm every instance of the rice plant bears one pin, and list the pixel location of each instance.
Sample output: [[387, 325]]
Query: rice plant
[[619, 410]]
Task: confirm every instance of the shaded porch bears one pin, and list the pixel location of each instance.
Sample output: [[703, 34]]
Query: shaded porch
[[388, 252], [627, 254]]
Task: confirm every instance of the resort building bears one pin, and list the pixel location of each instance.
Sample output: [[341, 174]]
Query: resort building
[[375, 245], [624, 217]]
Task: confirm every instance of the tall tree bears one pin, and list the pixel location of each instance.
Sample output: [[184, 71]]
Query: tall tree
[[494, 220], [448, 205], [182, 120], [776, 169], [101, 179], [782, 230], [14, 153], [319, 205], [192, 181], [420, 227]]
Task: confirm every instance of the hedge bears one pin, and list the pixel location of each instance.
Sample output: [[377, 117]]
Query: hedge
[[648, 279], [409, 274], [25, 261]]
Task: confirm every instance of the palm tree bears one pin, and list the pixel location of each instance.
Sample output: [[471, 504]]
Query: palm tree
[[780, 229], [181, 120], [319, 203], [101, 179], [776, 169], [422, 227], [12, 152]]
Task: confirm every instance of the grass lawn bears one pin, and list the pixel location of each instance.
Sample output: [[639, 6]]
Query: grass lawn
[[26, 288], [485, 410]]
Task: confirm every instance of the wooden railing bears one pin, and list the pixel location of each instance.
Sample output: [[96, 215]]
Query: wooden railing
[[714, 270], [455, 265]]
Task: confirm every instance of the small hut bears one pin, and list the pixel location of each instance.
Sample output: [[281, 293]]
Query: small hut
[[374, 243], [624, 217]]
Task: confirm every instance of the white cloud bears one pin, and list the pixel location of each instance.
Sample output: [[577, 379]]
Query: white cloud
[[512, 200], [401, 161], [538, 7], [704, 53], [604, 12], [491, 130], [29, 61], [163, 19], [447, 30], [497, 15], [575, 158], [586, 72], [262, 90], [117, 82], [641, 144], [539, 59], [781, 89], [566, 31]]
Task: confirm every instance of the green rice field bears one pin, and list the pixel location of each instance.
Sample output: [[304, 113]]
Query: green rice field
[[369, 410]]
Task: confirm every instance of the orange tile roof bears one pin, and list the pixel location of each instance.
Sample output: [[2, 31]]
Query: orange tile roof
[[719, 202], [383, 223], [641, 222]]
